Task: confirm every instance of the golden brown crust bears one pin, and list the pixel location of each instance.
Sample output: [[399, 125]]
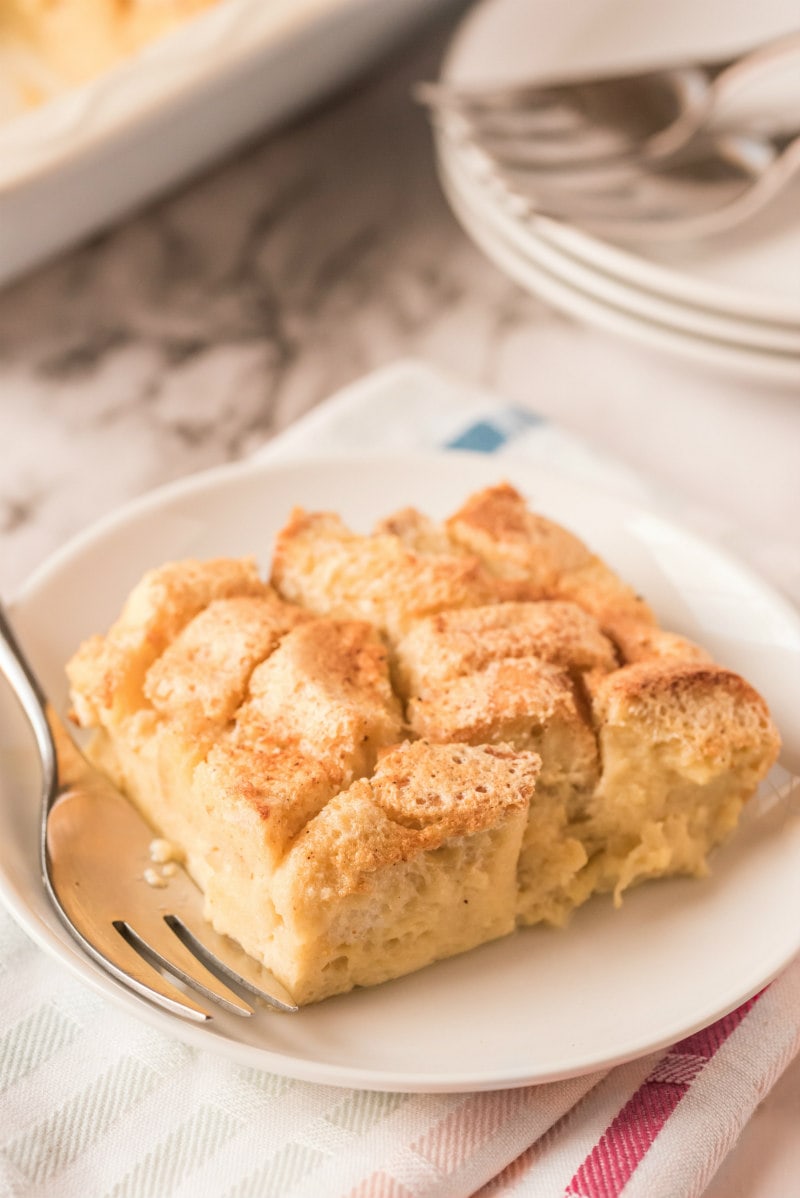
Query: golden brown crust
[[203, 674], [527, 704], [683, 745], [108, 674], [544, 559], [598, 590], [454, 643], [640, 641], [419, 797], [167, 598], [282, 786], [704, 711], [497, 525], [419, 533], [322, 565], [249, 701], [326, 689], [451, 788], [508, 701]]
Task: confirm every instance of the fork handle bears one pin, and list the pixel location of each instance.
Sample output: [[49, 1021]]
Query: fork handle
[[27, 688], [62, 761]]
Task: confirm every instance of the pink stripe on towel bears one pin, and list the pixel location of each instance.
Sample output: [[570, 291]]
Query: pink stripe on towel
[[612, 1161]]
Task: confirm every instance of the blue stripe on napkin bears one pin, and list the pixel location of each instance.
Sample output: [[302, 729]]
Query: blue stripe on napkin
[[487, 436], [479, 438]]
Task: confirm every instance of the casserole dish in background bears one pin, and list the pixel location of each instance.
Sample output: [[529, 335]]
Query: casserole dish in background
[[77, 162]]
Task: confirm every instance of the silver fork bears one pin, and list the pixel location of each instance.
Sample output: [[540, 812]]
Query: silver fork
[[575, 128], [95, 857], [713, 185]]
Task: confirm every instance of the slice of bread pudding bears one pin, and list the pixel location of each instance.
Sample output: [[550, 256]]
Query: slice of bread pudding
[[410, 742]]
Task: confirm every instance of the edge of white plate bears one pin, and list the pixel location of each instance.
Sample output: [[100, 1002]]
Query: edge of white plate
[[614, 260], [764, 365], [533, 242]]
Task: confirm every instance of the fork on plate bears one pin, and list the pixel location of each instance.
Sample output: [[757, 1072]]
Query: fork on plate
[[576, 127], [634, 157], [712, 186], [142, 925]]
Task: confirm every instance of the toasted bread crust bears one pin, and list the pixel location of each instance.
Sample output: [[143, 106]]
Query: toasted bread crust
[[419, 797], [203, 674], [484, 707], [107, 673], [640, 641], [543, 558], [497, 525], [455, 643], [706, 711], [321, 565]]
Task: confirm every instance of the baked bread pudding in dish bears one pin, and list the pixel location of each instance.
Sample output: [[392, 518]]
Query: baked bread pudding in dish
[[408, 743], [79, 39]]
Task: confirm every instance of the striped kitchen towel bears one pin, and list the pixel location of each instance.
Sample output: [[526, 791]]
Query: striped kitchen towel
[[93, 1103]]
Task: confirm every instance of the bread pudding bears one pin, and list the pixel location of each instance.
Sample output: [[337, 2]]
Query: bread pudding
[[407, 743]]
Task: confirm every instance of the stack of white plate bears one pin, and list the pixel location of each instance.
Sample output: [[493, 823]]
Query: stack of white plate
[[732, 301]]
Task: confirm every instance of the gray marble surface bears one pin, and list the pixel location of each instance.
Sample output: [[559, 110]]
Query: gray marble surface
[[193, 332]]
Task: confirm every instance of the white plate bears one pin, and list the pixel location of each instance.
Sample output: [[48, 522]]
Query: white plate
[[81, 160], [465, 168], [537, 1005], [752, 272], [536, 241], [516, 255]]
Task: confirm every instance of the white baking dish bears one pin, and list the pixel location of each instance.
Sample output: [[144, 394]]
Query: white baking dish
[[76, 163]]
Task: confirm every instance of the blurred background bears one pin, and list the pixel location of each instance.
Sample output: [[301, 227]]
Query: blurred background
[[151, 326]]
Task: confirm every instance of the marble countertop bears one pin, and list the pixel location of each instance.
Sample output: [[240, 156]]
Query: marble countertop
[[195, 331]]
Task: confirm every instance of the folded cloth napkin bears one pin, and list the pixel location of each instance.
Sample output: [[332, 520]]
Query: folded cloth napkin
[[94, 1103]]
